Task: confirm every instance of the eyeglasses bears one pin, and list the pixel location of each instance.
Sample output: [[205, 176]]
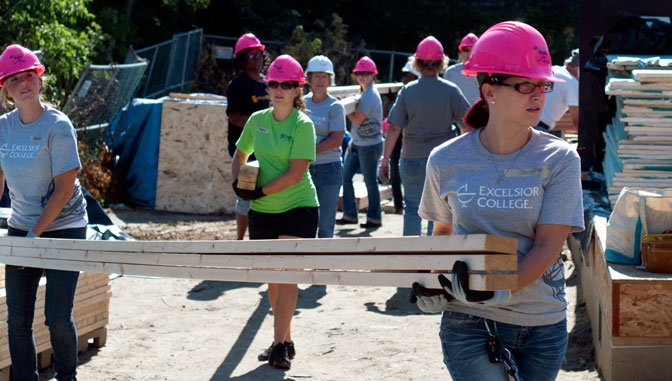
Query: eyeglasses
[[254, 54], [466, 49], [528, 87], [283, 85], [363, 73]]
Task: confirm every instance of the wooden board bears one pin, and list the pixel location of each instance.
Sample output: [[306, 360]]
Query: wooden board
[[194, 166], [340, 261]]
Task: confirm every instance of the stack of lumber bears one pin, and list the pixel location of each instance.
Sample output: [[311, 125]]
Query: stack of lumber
[[638, 141], [91, 314], [392, 262]]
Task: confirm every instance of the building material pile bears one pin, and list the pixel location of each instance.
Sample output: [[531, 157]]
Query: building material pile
[[638, 151]]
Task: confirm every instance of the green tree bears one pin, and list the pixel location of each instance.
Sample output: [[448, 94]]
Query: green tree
[[64, 30]]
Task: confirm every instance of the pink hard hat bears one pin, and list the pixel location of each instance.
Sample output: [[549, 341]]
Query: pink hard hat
[[16, 59], [246, 41], [468, 40], [285, 68], [365, 64], [429, 49], [512, 48]]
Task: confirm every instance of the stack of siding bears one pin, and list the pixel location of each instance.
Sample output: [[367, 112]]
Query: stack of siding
[[91, 311], [638, 150]]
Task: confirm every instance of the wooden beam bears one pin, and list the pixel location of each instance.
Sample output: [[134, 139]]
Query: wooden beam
[[475, 243], [326, 277]]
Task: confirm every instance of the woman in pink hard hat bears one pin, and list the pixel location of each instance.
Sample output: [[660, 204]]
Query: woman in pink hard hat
[[284, 204], [39, 161], [424, 111], [245, 94], [508, 179], [364, 149], [454, 73]]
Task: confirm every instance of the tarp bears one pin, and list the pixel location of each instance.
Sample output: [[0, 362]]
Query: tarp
[[133, 136]]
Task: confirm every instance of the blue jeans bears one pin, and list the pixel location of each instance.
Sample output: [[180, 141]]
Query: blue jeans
[[21, 285], [413, 177], [366, 158], [538, 351], [327, 178]]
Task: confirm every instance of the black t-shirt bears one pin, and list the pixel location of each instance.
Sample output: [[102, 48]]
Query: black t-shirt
[[243, 95]]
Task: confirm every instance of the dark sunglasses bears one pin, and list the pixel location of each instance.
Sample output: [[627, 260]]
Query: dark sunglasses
[[466, 49], [283, 85], [528, 87], [358, 73]]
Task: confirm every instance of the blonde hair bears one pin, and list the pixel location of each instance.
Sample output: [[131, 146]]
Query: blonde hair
[[435, 65]]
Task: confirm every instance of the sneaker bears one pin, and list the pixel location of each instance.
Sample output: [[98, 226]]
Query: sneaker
[[279, 358], [345, 221], [291, 352], [371, 225]]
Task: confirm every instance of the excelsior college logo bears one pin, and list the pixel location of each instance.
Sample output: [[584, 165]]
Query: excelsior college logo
[[497, 197], [19, 151]]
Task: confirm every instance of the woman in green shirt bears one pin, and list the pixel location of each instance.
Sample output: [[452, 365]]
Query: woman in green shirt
[[284, 204]]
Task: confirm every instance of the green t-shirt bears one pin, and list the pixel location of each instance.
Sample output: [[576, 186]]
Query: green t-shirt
[[274, 144]]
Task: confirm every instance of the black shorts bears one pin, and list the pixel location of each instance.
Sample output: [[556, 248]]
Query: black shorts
[[298, 222]]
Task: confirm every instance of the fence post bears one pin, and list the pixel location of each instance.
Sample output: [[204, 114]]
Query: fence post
[[389, 79]]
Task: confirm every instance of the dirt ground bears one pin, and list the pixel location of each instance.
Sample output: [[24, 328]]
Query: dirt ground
[[179, 329]]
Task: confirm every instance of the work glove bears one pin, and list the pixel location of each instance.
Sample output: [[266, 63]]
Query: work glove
[[459, 288], [247, 195], [429, 300], [31, 234]]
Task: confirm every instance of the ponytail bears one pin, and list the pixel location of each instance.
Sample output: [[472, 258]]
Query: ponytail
[[478, 114]]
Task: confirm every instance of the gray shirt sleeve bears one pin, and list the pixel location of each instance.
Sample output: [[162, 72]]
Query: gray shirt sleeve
[[336, 117], [398, 114], [63, 148], [460, 106]]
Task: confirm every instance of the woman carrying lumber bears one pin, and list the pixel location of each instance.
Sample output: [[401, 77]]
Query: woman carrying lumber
[[39, 160], [508, 179], [245, 94], [364, 149], [284, 204], [425, 111], [328, 117]]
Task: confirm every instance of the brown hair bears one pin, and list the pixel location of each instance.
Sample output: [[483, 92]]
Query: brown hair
[[299, 103], [478, 114], [438, 66]]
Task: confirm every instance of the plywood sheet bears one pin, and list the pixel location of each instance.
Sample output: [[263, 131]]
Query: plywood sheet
[[194, 170]]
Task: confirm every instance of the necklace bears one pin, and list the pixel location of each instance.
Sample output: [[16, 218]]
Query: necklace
[[501, 174]]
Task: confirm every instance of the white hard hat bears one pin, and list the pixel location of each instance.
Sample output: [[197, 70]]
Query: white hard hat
[[320, 64], [409, 69]]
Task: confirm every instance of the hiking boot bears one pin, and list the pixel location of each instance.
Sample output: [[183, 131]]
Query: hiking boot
[[346, 221], [291, 352], [279, 358], [371, 225]]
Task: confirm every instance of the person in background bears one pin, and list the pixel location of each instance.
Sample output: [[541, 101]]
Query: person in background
[[328, 117], [527, 187], [425, 111], [409, 74], [284, 204], [364, 149], [454, 72], [40, 167], [565, 96], [245, 94]]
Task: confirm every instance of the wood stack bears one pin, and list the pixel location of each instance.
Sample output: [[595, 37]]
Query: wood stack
[[91, 314], [247, 175], [638, 141], [392, 262]]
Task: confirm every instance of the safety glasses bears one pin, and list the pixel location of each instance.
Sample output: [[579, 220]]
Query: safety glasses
[[528, 87], [283, 85]]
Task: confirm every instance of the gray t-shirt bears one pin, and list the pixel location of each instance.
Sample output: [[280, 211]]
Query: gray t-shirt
[[468, 85], [541, 185], [327, 116], [30, 156], [426, 109], [369, 132]]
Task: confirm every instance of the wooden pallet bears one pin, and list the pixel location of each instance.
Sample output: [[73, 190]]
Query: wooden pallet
[[341, 261]]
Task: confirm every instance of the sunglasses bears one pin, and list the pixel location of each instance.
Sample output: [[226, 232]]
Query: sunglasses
[[528, 87], [466, 49], [283, 85], [363, 73], [255, 54]]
